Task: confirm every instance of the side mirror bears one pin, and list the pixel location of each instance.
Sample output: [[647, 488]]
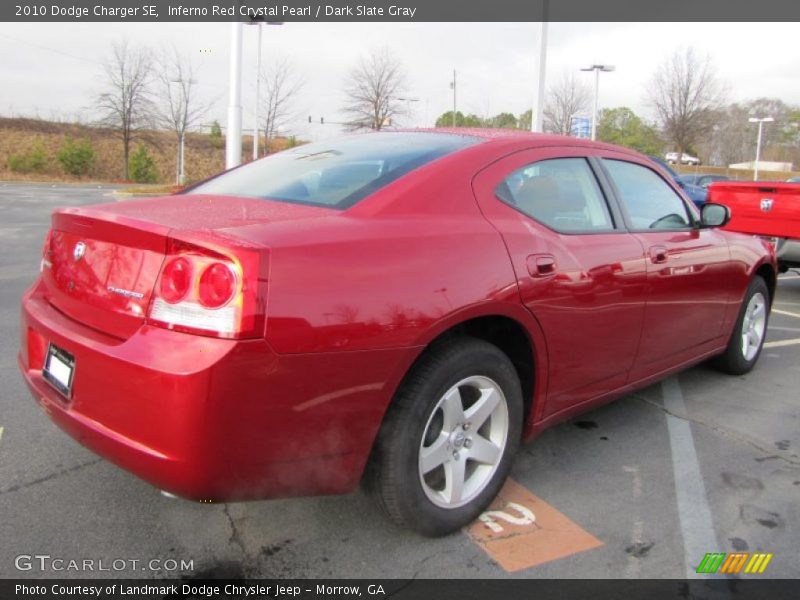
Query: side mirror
[[714, 215]]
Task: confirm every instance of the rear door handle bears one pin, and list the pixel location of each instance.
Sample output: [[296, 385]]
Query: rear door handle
[[658, 254], [541, 265]]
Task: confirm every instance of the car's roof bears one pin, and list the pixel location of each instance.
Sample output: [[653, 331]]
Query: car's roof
[[521, 136]]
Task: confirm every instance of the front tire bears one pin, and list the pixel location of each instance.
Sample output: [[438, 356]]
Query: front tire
[[449, 438], [748, 335]]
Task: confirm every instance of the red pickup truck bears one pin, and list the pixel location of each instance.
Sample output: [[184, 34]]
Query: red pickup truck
[[767, 208]]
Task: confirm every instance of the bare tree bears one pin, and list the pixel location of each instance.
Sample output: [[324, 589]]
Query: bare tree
[[567, 99], [281, 85], [686, 94], [373, 91], [732, 138], [125, 104], [180, 109]]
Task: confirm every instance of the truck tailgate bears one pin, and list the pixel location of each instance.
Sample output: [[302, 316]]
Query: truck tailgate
[[762, 208]]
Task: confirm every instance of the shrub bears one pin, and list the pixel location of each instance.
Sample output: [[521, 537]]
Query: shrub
[[143, 165], [76, 157], [216, 135], [34, 161]]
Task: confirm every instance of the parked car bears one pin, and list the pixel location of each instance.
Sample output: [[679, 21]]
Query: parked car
[[397, 308], [767, 208], [793, 180], [702, 179], [686, 159], [696, 193]]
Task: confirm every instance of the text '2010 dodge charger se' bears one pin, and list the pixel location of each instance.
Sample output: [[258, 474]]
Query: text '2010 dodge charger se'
[[399, 308]]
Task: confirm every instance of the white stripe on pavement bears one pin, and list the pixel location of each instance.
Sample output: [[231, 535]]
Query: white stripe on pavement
[[697, 527], [781, 343], [786, 312]]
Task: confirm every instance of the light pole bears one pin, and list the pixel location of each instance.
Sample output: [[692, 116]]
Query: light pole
[[453, 87], [537, 117], [258, 90], [233, 139], [760, 121], [597, 69]]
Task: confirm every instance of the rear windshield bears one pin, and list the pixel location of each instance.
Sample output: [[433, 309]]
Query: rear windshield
[[336, 173]]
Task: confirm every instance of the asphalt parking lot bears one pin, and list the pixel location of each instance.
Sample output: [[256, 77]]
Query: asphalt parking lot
[[701, 463]]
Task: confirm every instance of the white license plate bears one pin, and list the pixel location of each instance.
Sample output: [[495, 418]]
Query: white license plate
[[59, 369]]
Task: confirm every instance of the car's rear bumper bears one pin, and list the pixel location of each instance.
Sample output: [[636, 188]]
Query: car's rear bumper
[[212, 419]]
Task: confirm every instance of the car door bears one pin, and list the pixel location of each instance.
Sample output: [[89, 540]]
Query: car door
[[689, 271], [579, 272]]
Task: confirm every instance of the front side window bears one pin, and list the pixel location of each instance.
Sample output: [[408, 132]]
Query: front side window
[[650, 202], [335, 174], [561, 193]]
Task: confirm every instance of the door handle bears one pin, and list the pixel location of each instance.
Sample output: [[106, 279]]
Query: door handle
[[658, 254], [541, 265]]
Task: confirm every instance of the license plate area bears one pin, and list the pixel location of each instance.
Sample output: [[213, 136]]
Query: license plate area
[[59, 369]]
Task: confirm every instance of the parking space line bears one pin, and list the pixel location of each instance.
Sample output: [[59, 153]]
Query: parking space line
[[786, 312], [694, 513], [1, 433], [781, 343]]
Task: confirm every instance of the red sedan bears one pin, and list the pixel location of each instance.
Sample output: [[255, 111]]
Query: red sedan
[[401, 308]]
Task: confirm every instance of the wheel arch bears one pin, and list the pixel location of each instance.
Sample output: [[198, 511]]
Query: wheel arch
[[509, 327], [767, 272]]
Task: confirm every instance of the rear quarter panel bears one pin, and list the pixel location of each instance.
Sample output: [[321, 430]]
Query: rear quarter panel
[[383, 273]]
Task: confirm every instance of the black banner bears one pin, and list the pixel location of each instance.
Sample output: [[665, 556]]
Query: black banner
[[412, 589], [397, 10]]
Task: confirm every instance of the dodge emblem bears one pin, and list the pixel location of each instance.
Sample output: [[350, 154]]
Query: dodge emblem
[[80, 250], [766, 204]]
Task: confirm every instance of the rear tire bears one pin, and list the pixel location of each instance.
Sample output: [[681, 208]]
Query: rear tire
[[748, 335], [448, 441]]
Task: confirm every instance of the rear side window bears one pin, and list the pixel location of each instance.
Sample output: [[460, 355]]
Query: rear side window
[[335, 174], [650, 202], [561, 193]]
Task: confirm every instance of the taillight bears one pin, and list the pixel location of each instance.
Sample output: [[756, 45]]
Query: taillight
[[46, 252], [210, 292], [176, 279], [217, 285]]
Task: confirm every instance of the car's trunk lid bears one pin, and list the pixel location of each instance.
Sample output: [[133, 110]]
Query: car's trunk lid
[[102, 262]]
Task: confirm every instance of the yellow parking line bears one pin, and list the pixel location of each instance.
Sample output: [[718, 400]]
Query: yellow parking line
[[781, 343], [786, 312]]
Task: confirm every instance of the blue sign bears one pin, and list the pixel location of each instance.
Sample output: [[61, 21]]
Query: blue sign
[[581, 127]]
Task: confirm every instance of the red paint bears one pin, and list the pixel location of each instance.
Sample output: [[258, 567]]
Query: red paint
[[336, 306], [782, 219]]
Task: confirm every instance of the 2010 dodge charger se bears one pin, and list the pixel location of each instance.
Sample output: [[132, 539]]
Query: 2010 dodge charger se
[[402, 308]]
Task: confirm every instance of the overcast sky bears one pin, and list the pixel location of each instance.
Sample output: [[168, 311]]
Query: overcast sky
[[53, 70]]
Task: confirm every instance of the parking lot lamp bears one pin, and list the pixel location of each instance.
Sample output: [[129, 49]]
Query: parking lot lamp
[[233, 137], [597, 69], [760, 121]]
